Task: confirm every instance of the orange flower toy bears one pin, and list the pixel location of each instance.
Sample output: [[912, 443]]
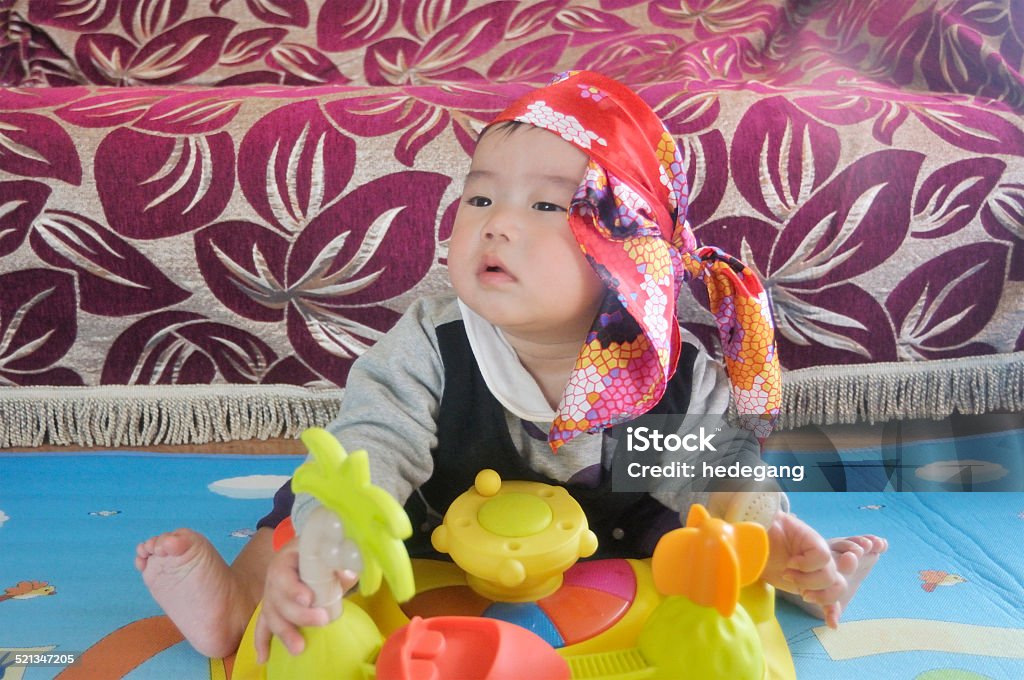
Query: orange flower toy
[[702, 569]]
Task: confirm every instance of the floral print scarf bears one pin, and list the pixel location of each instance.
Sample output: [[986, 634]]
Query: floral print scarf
[[629, 217]]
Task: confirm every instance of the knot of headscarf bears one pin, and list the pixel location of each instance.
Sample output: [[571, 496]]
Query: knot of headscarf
[[629, 217]]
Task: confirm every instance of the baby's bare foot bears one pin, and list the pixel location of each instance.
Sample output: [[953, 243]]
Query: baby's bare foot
[[855, 557], [195, 587]]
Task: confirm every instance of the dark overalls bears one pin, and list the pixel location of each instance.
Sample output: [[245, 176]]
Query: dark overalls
[[473, 435]]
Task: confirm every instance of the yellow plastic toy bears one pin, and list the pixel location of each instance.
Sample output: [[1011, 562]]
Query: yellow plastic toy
[[514, 539], [695, 610], [359, 527]]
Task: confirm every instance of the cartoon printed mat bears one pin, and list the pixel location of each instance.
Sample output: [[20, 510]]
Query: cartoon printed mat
[[946, 602], [69, 525]]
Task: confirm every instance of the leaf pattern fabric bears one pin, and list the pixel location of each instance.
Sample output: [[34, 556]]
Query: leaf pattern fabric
[[242, 192]]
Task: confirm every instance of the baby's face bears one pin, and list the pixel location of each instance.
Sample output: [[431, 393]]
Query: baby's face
[[512, 257]]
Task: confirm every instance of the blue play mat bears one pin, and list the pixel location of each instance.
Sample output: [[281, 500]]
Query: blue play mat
[[946, 602]]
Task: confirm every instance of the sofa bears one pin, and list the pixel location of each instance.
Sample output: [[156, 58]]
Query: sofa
[[208, 210]]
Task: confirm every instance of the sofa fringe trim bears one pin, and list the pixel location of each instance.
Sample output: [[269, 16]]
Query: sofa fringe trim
[[880, 392], [125, 416]]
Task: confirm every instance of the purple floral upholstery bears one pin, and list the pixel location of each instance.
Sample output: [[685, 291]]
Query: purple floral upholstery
[[208, 210]]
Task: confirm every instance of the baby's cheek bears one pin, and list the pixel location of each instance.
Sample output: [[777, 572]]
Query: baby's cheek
[[457, 259]]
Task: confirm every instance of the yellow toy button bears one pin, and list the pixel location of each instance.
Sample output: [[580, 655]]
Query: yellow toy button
[[487, 482], [515, 515], [504, 535]]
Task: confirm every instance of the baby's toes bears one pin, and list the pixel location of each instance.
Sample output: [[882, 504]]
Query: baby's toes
[[878, 544], [848, 561], [871, 544], [840, 546], [141, 558], [866, 542]]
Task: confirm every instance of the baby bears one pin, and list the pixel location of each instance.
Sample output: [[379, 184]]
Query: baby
[[569, 250]]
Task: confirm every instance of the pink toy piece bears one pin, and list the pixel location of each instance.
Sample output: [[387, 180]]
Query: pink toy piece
[[613, 576], [467, 648]]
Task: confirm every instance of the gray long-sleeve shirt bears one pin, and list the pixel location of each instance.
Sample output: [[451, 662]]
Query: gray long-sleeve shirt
[[393, 394]]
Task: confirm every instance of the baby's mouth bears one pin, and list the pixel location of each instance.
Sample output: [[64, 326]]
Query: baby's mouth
[[494, 270]]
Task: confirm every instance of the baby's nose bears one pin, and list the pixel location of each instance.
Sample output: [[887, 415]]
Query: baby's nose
[[500, 226]]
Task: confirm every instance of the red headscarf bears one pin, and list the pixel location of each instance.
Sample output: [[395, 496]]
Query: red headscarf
[[629, 217]]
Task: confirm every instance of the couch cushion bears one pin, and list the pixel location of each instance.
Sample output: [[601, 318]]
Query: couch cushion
[[255, 235], [967, 47], [263, 235]]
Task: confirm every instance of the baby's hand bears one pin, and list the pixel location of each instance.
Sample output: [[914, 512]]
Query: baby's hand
[[800, 561], [288, 604]]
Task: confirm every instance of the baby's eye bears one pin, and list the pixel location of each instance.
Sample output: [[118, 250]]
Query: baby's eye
[[548, 207], [478, 201]]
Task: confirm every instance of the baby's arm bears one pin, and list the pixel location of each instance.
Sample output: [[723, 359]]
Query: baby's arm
[[392, 396], [800, 560], [389, 409]]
